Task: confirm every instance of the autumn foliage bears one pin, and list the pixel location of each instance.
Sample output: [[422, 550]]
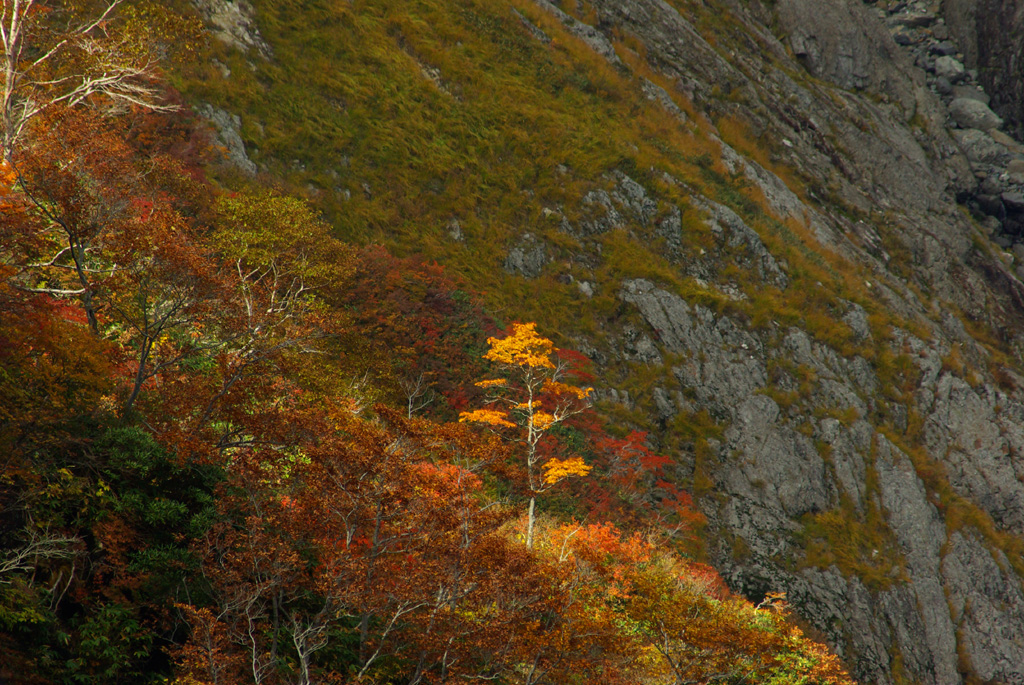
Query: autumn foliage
[[230, 454], [530, 398]]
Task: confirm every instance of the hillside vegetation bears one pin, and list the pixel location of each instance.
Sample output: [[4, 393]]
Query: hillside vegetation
[[230, 418], [756, 242]]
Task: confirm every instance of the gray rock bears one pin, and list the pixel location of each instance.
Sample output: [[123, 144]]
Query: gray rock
[[455, 230], [949, 68], [964, 427], [971, 93], [528, 258], [637, 345], [1014, 202], [663, 403], [904, 38], [943, 49], [848, 445], [671, 228], [633, 197], [991, 35], [989, 203], [653, 91], [229, 128], [970, 113], [857, 319], [588, 34], [534, 30], [851, 616], [780, 198], [921, 533], [731, 230], [843, 43], [225, 72], [601, 213], [980, 148], [991, 185], [914, 20], [987, 606], [1008, 142], [234, 23], [780, 467], [724, 364]]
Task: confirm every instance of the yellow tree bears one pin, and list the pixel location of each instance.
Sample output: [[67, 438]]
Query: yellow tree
[[531, 398]]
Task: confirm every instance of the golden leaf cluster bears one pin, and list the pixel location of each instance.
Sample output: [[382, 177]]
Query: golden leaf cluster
[[490, 417], [558, 469], [542, 420], [557, 388], [524, 347]]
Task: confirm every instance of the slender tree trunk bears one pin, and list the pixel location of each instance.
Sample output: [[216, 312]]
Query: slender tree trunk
[[530, 521], [78, 256], [140, 375], [90, 312]]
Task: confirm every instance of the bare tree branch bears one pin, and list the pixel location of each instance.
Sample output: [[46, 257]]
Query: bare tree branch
[[39, 547]]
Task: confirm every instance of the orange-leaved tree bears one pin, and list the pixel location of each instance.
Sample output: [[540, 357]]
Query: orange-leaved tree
[[531, 398]]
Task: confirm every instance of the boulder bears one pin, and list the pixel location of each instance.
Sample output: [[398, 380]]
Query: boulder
[[1014, 202], [980, 148], [970, 113], [949, 67], [971, 93]]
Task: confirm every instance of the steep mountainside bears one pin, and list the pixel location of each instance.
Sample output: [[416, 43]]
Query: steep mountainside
[[782, 231]]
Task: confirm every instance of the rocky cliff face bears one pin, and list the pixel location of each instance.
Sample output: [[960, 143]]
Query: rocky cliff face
[[868, 462], [922, 594]]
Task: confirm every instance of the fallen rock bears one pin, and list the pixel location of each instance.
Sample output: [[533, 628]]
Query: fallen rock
[[914, 20], [1006, 141], [1014, 202], [979, 147], [969, 113], [971, 93], [989, 204], [943, 49], [949, 67]]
